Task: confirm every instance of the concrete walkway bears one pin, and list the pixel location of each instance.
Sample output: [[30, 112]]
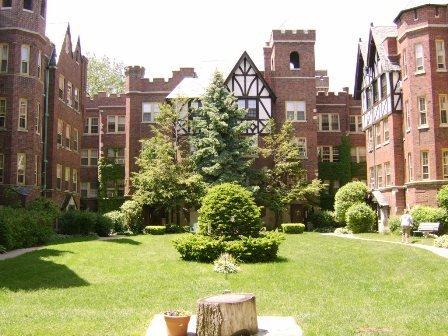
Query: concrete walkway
[[436, 250]]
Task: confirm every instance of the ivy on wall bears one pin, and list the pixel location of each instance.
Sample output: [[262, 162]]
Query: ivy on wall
[[110, 175]]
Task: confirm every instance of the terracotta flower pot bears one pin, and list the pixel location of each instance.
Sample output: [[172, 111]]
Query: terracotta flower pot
[[177, 325]]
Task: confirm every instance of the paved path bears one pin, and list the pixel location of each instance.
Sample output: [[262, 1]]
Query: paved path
[[19, 252], [436, 250]]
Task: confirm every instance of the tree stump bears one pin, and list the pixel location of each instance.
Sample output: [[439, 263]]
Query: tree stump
[[227, 315]]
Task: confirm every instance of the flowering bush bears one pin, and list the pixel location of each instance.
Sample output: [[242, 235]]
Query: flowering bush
[[441, 241], [343, 230], [176, 312], [226, 264]]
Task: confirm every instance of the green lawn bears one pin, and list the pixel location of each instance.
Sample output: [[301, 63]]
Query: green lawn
[[332, 286], [397, 238]]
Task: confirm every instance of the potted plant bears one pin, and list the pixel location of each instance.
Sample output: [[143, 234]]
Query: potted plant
[[177, 322]]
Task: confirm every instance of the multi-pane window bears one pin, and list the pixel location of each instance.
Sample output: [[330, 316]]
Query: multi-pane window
[[355, 123], [250, 105], [378, 133], [404, 66], [368, 98], [89, 190], [370, 138], [2, 168], [39, 64], [38, 116], [28, 5], [61, 87], [58, 177], [76, 99], [379, 176], [422, 111], [443, 109], [388, 173], [419, 62], [91, 126], [150, 112], [21, 168], [372, 177], [23, 114], [329, 122], [410, 170], [75, 140], [25, 59], [296, 110], [383, 83], [302, 146], [67, 179], [116, 154], [89, 157], [67, 136], [115, 188], [358, 154], [4, 55], [386, 131], [328, 154], [444, 163], [69, 94], [75, 180], [2, 112], [116, 124], [60, 131], [6, 3], [440, 52], [424, 157], [375, 91]]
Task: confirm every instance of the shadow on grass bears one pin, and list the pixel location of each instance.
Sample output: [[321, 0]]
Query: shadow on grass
[[122, 241], [31, 272]]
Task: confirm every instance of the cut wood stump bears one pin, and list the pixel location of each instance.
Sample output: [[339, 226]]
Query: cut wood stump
[[227, 315]]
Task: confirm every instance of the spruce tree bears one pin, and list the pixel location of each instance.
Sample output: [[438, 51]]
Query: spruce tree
[[222, 151]]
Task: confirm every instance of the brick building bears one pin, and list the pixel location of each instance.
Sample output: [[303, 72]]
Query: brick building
[[42, 94], [402, 81]]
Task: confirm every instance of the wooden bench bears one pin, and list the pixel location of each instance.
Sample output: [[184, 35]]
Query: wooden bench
[[427, 228]]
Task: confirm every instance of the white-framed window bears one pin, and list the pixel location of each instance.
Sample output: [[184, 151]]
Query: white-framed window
[[39, 64], [250, 105], [370, 138], [23, 114], [296, 111], [404, 66], [67, 179], [355, 123], [328, 153], [423, 119], [2, 168], [2, 112], [21, 168], [388, 174], [358, 154], [4, 57], [76, 99], [372, 177], [379, 176], [116, 154], [444, 163], [424, 157], [75, 180], [150, 110], [302, 147], [61, 87], [89, 157], [75, 140], [386, 131], [375, 92], [368, 93], [60, 132], [410, 170], [67, 142], [38, 116], [329, 122], [443, 109], [116, 124], [58, 177], [89, 190], [419, 58], [407, 116], [69, 94], [440, 53], [25, 59], [378, 133], [91, 126], [383, 85]]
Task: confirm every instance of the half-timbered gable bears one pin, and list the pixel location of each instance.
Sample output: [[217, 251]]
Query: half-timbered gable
[[253, 93]]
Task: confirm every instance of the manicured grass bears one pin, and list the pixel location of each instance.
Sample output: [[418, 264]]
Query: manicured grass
[[397, 238], [332, 286]]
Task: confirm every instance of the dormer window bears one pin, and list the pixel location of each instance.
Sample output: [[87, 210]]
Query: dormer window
[[43, 7], [7, 3], [294, 61], [28, 5]]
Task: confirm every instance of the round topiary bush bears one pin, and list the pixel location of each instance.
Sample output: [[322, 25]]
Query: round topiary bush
[[442, 197], [229, 211], [360, 218], [349, 194]]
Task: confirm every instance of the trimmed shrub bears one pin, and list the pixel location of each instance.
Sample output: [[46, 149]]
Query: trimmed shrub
[[75, 222], [441, 241], [194, 247], [442, 197], [177, 229], [348, 195], [293, 228], [132, 211], [360, 218], [118, 220], [394, 224], [343, 231], [155, 230], [103, 225], [322, 219], [46, 206], [229, 211], [423, 213]]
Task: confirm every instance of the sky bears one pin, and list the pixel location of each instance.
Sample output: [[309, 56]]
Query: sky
[[165, 35]]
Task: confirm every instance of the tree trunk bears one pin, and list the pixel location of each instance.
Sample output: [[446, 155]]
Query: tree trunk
[[227, 315]]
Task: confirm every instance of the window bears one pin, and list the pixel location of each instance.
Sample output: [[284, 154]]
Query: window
[[440, 52], [67, 179], [372, 177], [378, 132], [58, 177], [424, 156], [329, 122], [7, 3], [370, 137], [368, 98], [39, 64], [444, 163], [60, 130], [75, 180], [36, 170], [355, 123], [89, 157], [4, 56], [116, 124], [410, 171], [38, 119], [116, 154], [301, 145], [115, 188], [383, 82], [375, 91], [422, 111], [76, 99], [89, 190], [69, 94], [75, 140], [358, 154], [404, 66], [2, 168], [443, 109], [386, 132], [419, 63], [25, 59], [150, 112], [388, 173], [61, 87], [295, 111], [28, 4], [407, 116], [23, 114], [328, 154], [67, 136], [415, 14], [43, 7], [379, 176], [21, 168], [294, 61], [91, 126], [2, 112], [251, 106]]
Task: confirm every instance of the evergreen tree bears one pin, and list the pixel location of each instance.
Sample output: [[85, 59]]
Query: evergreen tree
[[222, 151]]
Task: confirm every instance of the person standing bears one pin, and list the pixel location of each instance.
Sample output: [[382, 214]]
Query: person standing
[[406, 224]]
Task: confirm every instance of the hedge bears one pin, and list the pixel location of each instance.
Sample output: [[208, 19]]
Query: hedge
[[75, 222], [423, 213], [155, 230], [322, 219], [293, 228]]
